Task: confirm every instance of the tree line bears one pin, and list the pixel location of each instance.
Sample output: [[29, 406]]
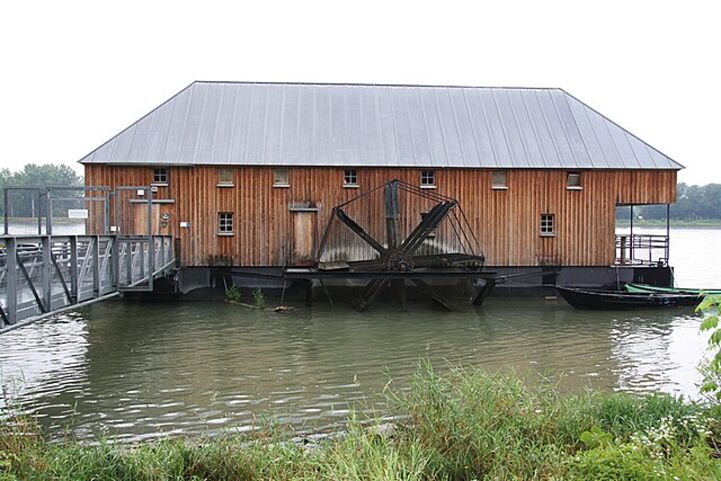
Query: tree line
[[693, 202], [25, 203]]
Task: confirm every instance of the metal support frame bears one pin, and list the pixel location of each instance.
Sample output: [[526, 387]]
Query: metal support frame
[[46, 273], [59, 272], [45, 198]]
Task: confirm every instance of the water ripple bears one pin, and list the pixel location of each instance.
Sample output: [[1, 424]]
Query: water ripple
[[133, 371]]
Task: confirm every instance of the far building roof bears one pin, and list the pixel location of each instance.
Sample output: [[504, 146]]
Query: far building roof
[[354, 125]]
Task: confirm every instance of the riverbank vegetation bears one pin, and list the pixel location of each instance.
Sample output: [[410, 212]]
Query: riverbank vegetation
[[461, 424]]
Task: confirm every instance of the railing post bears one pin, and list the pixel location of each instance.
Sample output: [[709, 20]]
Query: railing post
[[48, 213], [129, 257], [74, 268], [96, 265], [6, 206], [47, 271], [115, 264], [163, 259], [12, 278]]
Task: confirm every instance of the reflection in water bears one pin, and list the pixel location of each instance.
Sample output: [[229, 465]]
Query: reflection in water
[[658, 355], [44, 361], [138, 370]]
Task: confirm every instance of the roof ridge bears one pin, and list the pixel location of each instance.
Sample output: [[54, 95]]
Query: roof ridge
[[363, 84]]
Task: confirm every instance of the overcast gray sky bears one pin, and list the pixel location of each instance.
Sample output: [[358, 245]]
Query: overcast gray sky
[[75, 73]]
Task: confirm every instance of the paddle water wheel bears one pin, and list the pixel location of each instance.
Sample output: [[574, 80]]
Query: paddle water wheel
[[398, 236]]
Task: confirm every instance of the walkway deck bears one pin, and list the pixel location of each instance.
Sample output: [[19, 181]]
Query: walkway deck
[[44, 274]]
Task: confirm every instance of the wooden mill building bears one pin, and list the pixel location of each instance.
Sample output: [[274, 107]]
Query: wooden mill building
[[245, 174]]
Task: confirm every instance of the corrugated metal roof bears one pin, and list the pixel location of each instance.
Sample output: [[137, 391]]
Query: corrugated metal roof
[[377, 125]]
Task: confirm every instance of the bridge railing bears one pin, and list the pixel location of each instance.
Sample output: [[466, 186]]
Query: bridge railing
[[41, 274], [642, 249]]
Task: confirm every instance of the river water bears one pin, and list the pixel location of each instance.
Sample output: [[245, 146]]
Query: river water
[[132, 371]]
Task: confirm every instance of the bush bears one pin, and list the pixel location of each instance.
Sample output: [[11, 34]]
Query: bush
[[233, 293], [711, 307], [259, 298]]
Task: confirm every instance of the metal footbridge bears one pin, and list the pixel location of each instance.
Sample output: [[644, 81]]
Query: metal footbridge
[[43, 274]]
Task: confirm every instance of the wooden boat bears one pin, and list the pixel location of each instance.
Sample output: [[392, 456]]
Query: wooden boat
[[646, 288], [620, 300]]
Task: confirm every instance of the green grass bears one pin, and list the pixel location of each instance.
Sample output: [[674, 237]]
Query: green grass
[[465, 424]]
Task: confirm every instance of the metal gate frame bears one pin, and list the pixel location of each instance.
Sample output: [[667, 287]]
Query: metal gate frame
[[48, 194], [125, 243]]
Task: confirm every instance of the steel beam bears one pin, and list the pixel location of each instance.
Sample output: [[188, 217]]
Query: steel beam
[[29, 280], [74, 289], [68, 295], [47, 273]]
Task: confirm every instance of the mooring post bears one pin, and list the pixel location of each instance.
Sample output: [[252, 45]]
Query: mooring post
[[12, 279], [151, 240], [630, 247], [47, 270], [668, 232]]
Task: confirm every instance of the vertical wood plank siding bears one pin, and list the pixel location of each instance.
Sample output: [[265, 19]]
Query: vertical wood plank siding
[[506, 222]]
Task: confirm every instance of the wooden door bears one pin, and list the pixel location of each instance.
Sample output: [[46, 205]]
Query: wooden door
[[304, 238], [140, 219]]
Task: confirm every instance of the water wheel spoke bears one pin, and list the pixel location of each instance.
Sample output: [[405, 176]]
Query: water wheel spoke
[[369, 294], [359, 231], [432, 293]]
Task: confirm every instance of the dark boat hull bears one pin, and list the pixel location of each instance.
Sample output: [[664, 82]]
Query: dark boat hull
[[611, 300]]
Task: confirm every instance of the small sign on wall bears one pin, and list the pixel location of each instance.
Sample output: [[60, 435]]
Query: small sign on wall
[[77, 213]]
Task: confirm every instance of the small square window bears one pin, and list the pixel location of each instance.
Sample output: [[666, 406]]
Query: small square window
[[280, 178], [499, 179], [547, 225], [225, 176], [160, 176], [428, 178], [573, 181], [350, 178], [225, 223]]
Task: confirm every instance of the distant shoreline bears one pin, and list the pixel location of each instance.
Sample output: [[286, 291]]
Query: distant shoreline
[[673, 223]]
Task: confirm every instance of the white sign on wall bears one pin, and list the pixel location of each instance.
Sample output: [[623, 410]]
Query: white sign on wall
[[77, 213]]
